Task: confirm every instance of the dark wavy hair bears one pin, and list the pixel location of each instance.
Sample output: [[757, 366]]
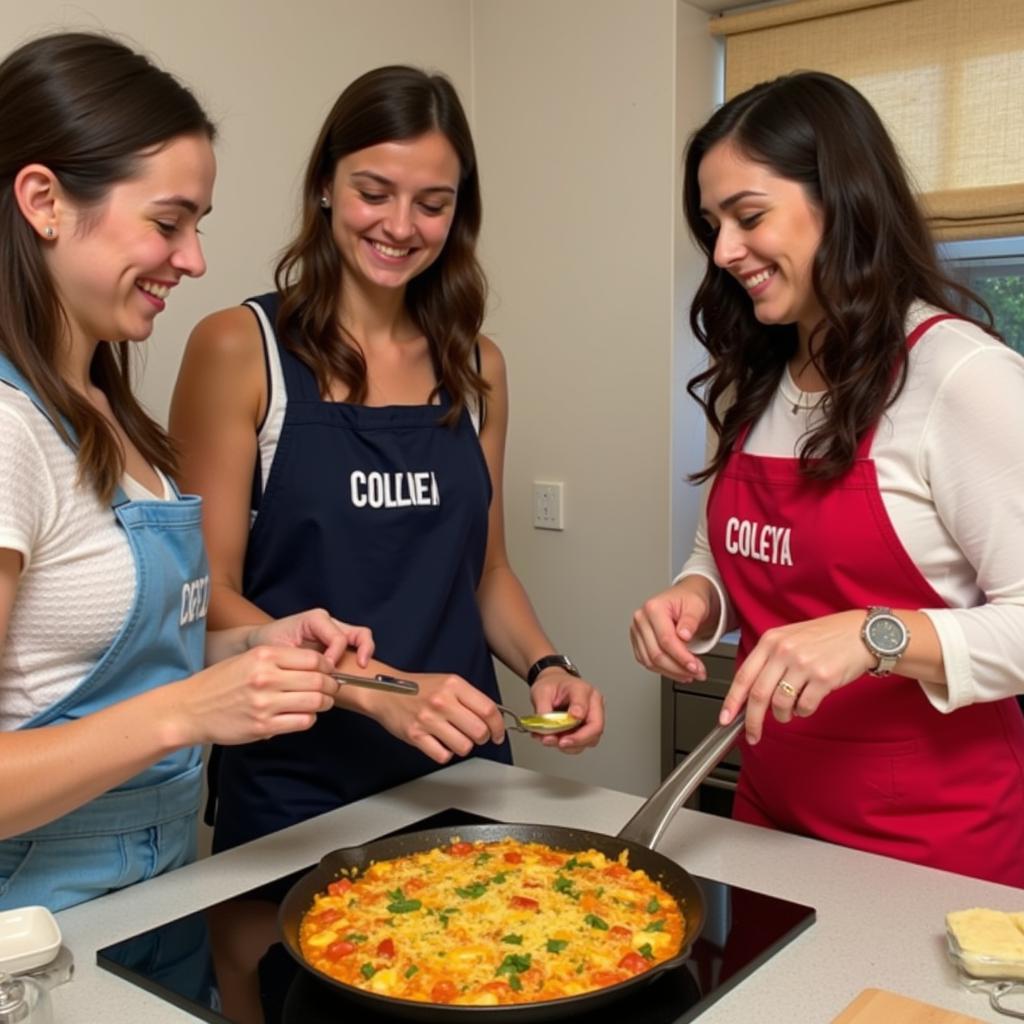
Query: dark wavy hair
[[89, 109], [876, 257], [446, 301]]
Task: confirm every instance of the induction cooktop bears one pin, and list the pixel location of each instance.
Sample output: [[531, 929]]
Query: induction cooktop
[[175, 961]]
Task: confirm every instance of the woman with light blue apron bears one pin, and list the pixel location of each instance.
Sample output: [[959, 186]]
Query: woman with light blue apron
[[106, 168]]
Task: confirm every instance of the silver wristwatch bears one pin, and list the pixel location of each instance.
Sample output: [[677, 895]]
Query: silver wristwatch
[[886, 637]]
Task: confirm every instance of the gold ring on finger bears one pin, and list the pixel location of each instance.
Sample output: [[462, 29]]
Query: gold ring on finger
[[786, 687]]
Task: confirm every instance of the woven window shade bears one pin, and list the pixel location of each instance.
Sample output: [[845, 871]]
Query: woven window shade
[[947, 77]]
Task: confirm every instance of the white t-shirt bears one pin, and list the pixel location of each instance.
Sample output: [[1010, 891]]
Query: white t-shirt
[[78, 575], [949, 454]]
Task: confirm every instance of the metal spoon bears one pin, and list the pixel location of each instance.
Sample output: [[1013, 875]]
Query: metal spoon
[[378, 682], [544, 725]]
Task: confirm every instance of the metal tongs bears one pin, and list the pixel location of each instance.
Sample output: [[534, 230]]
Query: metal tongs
[[390, 684]]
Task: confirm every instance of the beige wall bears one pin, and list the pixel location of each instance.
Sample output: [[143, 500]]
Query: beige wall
[[576, 124], [579, 109]]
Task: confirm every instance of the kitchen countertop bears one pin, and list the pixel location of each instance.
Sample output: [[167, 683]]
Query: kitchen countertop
[[879, 923]]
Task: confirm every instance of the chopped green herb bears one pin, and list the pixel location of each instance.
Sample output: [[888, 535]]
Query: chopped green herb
[[596, 922], [482, 858], [573, 863], [355, 937], [512, 939], [411, 971], [579, 967], [473, 892], [564, 885], [396, 896], [515, 963], [404, 906], [653, 907], [646, 952], [656, 926], [443, 918], [499, 878], [367, 971], [514, 983], [556, 945]]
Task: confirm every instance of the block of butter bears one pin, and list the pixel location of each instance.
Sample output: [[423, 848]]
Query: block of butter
[[987, 943]]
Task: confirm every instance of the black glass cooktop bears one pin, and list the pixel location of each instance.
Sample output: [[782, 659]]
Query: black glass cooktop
[[189, 963]]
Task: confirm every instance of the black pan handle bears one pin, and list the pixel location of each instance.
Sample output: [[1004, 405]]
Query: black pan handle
[[647, 825]]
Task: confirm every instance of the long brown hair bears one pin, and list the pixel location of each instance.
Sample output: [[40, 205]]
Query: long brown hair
[[88, 108], [446, 301], [876, 257]]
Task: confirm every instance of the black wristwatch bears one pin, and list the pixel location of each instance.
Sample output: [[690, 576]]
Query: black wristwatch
[[551, 661], [886, 637]]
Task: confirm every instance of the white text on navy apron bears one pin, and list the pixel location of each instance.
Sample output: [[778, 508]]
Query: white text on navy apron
[[393, 490], [761, 542], [195, 599]]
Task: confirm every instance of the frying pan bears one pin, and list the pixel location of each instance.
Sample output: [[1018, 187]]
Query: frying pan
[[639, 837]]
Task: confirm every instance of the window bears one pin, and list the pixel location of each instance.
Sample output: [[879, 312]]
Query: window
[[993, 269]]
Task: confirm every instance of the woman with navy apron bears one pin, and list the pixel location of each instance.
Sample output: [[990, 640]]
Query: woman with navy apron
[[347, 436], [863, 519], [104, 582]]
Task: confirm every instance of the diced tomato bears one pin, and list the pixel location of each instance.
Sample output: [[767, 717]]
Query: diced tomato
[[634, 963], [604, 978], [524, 903], [551, 859], [617, 931], [460, 850], [617, 871], [499, 988], [529, 883], [340, 948], [325, 917], [443, 991], [340, 887], [414, 885], [386, 947], [513, 857]]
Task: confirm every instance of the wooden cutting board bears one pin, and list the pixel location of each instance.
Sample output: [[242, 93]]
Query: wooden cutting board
[[876, 1006]]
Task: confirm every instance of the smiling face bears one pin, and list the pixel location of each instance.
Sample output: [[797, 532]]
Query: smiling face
[[392, 207], [767, 231], [115, 264]]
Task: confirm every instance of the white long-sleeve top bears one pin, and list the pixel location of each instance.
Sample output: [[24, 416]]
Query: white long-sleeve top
[[949, 454]]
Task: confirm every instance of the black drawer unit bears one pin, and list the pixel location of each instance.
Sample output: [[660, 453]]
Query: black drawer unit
[[689, 711]]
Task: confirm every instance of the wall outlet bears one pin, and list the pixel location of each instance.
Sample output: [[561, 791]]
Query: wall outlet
[[547, 506]]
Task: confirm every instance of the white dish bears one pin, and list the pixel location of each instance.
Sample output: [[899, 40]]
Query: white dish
[[29, 938]]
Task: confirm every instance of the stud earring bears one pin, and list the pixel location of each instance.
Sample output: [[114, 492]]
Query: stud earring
[[49, 232], [325, 202]]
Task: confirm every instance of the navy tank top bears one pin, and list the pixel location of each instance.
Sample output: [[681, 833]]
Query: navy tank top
[[378, 514]]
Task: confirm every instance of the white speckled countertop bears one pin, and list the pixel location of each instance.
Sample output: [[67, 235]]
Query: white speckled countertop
[[879, 923]]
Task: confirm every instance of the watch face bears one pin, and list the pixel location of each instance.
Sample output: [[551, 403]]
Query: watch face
[[887, 634]]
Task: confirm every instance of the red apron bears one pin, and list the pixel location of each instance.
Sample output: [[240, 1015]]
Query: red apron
[[876, 767]]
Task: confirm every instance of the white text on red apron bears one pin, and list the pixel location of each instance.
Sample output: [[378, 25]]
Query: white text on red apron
[[760, 542]]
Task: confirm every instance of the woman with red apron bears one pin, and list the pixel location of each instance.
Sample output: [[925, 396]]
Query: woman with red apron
[[845, 740]]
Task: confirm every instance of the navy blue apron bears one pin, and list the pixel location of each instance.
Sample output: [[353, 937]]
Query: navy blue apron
[[146, 825], [378, 514]]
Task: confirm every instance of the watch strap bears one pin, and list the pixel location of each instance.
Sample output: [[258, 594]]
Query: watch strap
[[550, 661]]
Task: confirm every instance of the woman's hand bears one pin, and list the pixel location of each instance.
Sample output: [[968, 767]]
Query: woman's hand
[[667, 622], [558, 690], [448, 716], [266, 691], [318, 630], [793, 668]]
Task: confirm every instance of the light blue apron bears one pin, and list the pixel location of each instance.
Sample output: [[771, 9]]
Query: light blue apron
[[146, 825]]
